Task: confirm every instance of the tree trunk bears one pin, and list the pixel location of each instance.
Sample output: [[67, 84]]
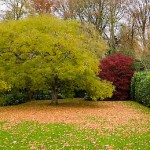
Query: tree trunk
[[29, 95], [112, 27], [54, 100], [112, 33]]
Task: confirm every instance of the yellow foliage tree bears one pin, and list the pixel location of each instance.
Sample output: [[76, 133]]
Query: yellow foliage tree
[[42, 51]]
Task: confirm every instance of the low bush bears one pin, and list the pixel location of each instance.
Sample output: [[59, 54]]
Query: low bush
[[79, 93], [140, 88], [42, 95], [138, 66], [45, 95], [12, 99], [2, 100]]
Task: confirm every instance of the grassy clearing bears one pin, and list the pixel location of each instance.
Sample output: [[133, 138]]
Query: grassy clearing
[[78, 125]]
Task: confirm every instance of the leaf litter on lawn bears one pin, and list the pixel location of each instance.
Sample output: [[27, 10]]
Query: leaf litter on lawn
[[94, 123], [106, 113]]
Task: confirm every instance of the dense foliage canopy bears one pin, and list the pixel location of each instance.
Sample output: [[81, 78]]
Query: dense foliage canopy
[[42, 52]]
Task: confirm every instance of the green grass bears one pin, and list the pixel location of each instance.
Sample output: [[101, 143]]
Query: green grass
[[58, 136], [33, 135], [138, 106]]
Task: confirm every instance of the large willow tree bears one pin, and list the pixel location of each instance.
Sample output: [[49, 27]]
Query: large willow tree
[[43, 52]]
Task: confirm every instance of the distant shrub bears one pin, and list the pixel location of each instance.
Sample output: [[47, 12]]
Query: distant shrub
[[138, 66], [140, 88], [117, 68], [87, 97], [79, 93], [45, 95], [42, 95], [2, 100], [12, 99]]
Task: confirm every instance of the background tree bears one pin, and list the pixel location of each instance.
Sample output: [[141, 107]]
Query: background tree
[[44, 6], [139, 11], [41, 52], [105, 15], [138, 22], [94, 12], [127, 42], [144, 55], [15, 9], [116, 13]]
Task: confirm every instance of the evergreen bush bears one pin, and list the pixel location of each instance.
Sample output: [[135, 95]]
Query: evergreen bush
[[140, 88]]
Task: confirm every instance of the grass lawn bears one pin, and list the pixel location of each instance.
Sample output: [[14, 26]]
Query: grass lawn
[[75, 125]]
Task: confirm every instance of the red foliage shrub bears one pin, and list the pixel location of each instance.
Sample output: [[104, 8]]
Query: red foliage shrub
[[117, 69]]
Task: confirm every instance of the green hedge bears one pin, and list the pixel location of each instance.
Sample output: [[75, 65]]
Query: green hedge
[[140, 88]]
